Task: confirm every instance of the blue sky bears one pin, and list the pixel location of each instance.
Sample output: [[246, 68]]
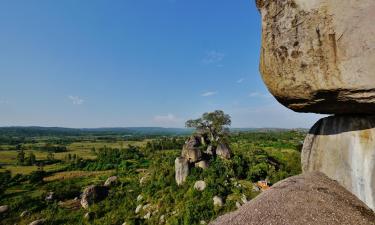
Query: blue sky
[[99, 63]]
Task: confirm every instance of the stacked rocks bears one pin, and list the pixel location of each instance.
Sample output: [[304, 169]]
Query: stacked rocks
[[319, 56], [196, 152]]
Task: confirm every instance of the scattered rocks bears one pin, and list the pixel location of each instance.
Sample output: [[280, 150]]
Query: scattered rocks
[[111, 181], [139, 198], [181, 170], [202, 164], [138, 209], [50, 196], [238, 205], [4, 209], [89, 215], [93, 194], [218, 201], [147, 216], [200, 185], [38, 222], [24, 214]]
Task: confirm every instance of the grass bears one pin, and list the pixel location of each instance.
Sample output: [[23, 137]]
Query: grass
[[66, 175]]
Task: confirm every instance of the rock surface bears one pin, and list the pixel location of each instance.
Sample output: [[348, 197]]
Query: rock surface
[[4, 209], [218, 201], [202, 164], [343, 148], [181, 166], [319, 55], [200, 185], [93, 194], [223, 151], [111, 181], [38, 222], [311, 198], [191, 150]]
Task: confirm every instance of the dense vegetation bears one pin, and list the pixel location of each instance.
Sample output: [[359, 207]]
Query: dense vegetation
[[145, 167]]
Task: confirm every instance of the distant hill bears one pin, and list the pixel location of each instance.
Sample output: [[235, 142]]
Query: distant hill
[[36, 131]]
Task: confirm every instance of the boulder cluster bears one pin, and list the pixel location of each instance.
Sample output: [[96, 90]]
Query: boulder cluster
[[196, 152], [319, 56]]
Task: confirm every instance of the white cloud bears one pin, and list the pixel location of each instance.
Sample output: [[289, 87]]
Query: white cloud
[[76, 100], [167, 119], [259, 95], [209, 93], [240, 80], [213, 57]]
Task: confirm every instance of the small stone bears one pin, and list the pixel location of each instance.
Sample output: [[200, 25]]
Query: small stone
[[147, 216], [139, 198], [218, 201], [111, 181], [200, 185], [4, 209], [38, 222], [138, 209]]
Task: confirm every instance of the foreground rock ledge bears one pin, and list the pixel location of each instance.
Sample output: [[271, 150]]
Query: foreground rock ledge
[[311, 198]]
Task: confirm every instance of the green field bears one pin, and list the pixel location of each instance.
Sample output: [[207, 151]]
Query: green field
[[145, 166]]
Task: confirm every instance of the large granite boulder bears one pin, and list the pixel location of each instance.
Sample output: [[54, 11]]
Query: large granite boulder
[[191, 150], [319, 55], [311, 198], [343, 148], [181, 166]]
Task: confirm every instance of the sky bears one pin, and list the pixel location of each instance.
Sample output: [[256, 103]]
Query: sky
[[126, 63]]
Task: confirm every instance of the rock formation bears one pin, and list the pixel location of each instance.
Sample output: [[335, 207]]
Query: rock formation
[[311, 198], [181, 170], [93, 194], [111, 181], [192, 155], [319, 55], [343, 147]]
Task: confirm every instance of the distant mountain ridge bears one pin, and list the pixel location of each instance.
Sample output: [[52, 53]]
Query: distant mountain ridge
[[62, 131]]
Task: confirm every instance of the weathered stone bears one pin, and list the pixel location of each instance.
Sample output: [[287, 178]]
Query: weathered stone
[[24, 214], [139, 198], [50, 196], [319, 55], [93, 194], [111, 181], [223, 151], [343, 148], [202, 164], [4, 209], [191, 150], [38, 222], [218, 201], [200, 185], [181, 170], [138, 209], [311, 198]]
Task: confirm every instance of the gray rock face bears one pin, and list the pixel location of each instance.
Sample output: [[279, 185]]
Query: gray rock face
[[191, 149], [218, 201], [311, 198], [38, 222], [319, 55], [4, 209], [202, 164], [93, 194], [223, 151], [200, 185], [181, 170], [111, 181], [343, 148]]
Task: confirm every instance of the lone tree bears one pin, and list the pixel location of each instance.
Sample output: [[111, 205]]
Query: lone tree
[[213, 125]]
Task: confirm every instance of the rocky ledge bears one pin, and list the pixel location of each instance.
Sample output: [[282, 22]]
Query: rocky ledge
[[311, 198]]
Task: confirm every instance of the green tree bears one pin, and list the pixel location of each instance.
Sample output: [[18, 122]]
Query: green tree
[[215, 125], [31, 159], [21, 157]]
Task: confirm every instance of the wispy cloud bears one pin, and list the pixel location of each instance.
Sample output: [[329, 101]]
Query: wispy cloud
[[259, 95], [166, 119], [240, 80], [213, 57], [209, 93], [76, 100]]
